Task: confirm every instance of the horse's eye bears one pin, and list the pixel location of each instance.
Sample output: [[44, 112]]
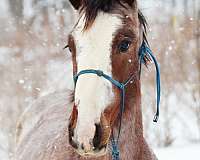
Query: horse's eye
[[124, 46]]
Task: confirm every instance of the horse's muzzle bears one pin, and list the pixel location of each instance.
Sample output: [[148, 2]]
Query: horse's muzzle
[[90, 147]]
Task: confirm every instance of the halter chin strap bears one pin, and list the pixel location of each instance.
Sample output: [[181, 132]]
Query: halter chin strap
[[143, 51]]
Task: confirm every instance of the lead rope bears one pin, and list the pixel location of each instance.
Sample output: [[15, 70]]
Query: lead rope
[[146, 51], [114, 143], [115, 148]]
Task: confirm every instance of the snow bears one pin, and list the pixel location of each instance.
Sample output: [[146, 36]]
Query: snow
[[3, 8], [3, 147], [179, 153], [4, 56]]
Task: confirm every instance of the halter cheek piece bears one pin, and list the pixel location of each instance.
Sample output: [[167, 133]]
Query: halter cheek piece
[[143, 51]]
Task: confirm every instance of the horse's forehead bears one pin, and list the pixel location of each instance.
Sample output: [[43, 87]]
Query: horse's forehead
[[101, 31]]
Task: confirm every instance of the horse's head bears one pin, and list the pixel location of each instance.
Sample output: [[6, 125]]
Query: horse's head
[[107, 38]]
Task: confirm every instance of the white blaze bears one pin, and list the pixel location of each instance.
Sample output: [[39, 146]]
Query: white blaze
[[93, 94]]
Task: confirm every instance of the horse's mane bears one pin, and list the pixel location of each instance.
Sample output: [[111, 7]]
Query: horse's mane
[[144, 25]]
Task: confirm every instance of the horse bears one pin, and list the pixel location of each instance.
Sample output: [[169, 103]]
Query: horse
[[102, 118]]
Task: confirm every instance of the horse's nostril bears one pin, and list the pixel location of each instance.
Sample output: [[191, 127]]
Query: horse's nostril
[[97, 137], [82, 146]]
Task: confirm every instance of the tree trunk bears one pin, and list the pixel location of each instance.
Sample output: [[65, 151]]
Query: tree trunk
[[16, 9]]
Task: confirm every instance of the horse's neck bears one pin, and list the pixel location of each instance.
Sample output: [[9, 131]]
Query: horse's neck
[[132, 144]]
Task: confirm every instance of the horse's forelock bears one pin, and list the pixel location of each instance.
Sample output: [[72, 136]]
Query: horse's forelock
[[92, 7]]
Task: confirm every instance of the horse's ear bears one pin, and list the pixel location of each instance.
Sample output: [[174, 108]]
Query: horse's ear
[[132, 3], [76, 3]]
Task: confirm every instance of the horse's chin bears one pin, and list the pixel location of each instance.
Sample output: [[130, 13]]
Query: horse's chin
[[92, 154]]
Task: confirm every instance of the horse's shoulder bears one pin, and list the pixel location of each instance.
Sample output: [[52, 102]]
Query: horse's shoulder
[[148, 152], [44, 133], [43, 108]]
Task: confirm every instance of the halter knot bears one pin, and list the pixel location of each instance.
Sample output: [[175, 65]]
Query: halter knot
[[115, 150], [99, 73]]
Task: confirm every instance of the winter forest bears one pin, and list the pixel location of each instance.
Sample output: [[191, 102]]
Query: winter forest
[[33, 64]]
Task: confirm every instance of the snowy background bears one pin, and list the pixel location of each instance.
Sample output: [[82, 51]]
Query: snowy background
[[33, 64]]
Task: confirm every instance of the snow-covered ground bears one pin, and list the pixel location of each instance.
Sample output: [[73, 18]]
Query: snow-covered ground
[[188, 152]]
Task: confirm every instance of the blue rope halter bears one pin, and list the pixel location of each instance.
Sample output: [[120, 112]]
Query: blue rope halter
[[143, 51]]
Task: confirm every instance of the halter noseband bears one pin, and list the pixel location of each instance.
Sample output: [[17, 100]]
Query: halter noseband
[[143, 51]]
